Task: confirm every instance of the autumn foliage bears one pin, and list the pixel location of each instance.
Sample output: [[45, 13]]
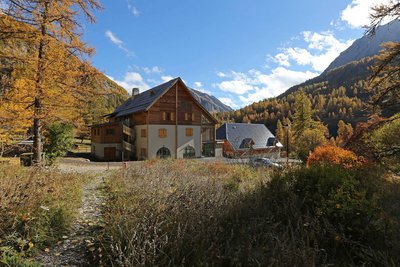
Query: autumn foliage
[[332, 155]]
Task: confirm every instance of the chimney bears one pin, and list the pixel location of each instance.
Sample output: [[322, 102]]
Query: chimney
[[135, 92]]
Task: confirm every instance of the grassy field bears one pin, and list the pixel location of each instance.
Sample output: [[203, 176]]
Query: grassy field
[[174, 212], [36, 209], [192, 213]]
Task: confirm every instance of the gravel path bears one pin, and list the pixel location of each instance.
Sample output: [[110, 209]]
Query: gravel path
[[78, 247]]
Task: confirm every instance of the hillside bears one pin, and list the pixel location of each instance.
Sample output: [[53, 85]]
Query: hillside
[[211, 103], [337, 94]]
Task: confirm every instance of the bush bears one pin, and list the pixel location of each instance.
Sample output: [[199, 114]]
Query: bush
[[332, 155], [385, 143], [59, 138]]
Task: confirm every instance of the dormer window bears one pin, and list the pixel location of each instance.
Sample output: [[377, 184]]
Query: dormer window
[[247, 143]]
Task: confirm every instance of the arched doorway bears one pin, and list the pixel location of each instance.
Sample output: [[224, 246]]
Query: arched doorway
[[189, 152], [163, 153]]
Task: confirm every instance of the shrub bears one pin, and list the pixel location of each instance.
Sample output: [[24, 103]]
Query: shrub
[[59, 138], [332, 155], [346, 210]]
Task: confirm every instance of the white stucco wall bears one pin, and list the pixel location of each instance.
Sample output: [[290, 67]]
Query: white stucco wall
[[156, 142], [97, 149], [193, 141]]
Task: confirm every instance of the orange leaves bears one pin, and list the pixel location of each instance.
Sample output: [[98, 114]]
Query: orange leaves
[[334, 156]]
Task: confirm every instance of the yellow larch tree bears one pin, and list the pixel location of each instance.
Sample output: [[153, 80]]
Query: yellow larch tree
[[41, 42]]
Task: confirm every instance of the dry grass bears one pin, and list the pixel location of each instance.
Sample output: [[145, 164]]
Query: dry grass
[[174, 212], [36, 208]]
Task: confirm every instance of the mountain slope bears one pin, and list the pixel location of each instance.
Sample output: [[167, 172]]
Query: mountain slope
[[211, 103], [368, 45]]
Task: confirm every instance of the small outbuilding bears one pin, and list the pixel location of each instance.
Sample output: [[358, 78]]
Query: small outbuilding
[[246, 140]]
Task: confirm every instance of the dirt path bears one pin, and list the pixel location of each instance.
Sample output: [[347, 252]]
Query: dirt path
[[76, 248]]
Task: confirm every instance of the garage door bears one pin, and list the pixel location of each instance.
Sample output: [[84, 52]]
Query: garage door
[[109, 153]]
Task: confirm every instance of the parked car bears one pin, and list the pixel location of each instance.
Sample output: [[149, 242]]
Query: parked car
[[264, 162]]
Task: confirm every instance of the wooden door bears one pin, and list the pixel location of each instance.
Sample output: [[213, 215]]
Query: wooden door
[[109, 153]]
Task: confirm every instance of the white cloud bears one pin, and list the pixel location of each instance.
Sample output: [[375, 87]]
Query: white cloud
[[228, 101], [113, 38], [132, 80], [198, 85], [151, 70], [221, 74], [133, 8], [256, 85], [282, 59], [322, 48], [357, 13], [118, 42], [239, 83], [166, 78], [275, 83]]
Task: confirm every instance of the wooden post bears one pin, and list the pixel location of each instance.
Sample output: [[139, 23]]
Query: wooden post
[[176, 120], [147, 134], [287, 145]]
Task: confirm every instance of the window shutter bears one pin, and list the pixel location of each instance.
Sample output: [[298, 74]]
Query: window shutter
[[189, 131], [162, 133]]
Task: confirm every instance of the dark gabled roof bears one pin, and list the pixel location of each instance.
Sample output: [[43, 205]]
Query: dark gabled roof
[[144, 100], [239, 134]]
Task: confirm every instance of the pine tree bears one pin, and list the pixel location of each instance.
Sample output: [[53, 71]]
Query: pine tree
[[280, 132], [345, 131], [302, 118], [43, 36]]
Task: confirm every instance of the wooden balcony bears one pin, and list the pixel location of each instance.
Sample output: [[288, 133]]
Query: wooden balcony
[[127, 146], [128, 131]]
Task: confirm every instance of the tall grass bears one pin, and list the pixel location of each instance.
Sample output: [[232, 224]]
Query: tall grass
[[167, 213], [36, 207]]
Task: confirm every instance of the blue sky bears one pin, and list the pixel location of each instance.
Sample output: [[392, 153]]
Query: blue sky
[[240, 51]]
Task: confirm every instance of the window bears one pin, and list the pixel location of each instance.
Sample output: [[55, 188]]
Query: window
[[143, 153], [189, 131], [247, 143], [168, 116], [186, 116], [163, 153], [143, 133], [192, 116], [110, 131], [162, 133]]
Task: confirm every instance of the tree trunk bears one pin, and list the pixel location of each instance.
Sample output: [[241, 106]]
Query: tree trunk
[[38, 107]]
